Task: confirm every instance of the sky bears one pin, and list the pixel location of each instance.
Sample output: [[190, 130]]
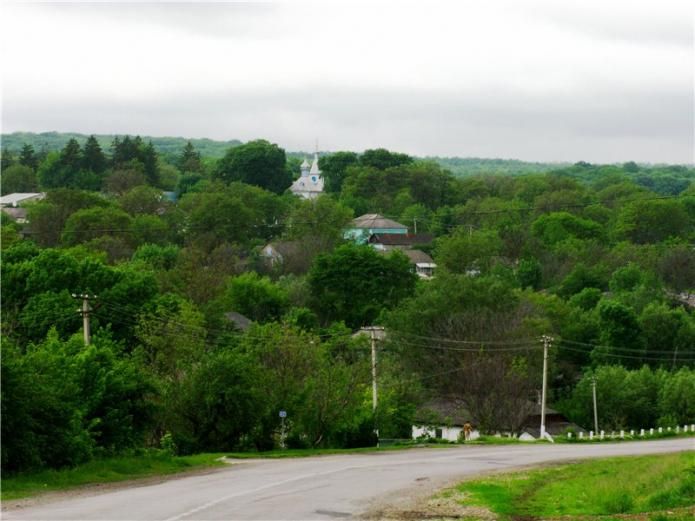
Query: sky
[[537, 80]]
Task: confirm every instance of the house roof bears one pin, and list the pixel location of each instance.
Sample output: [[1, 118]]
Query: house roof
[[418, 257], [374, 220], [443, 410], [452, 411], [401, 239], [17, 198], [239, 320]]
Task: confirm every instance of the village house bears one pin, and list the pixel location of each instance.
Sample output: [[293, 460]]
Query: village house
[[444, 419], [400, 241], [277, 252], [369, 224], [19, 199]]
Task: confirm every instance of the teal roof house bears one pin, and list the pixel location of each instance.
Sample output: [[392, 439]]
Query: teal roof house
[[365, 225]]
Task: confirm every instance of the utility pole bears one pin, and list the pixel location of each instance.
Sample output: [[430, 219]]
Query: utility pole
[[373, 335], [415, 225], [84, 310], [546, 344], [593, 386]]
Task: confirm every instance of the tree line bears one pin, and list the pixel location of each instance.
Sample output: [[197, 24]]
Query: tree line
[[600, 260]]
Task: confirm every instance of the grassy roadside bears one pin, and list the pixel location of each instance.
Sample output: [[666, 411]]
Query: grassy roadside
[[107, 470], [653, 488], [304, 453]]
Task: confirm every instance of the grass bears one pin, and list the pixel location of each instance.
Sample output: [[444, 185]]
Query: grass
[[303, 453], [107, 470], [604, 487]]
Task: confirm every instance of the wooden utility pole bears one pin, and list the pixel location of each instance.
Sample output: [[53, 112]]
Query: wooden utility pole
[[593, 386], [85, 310], [546, 344]]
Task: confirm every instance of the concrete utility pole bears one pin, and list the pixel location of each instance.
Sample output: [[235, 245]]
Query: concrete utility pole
[[546, 344], [593, 386], [415, 225], [375, 333], [86, 308]]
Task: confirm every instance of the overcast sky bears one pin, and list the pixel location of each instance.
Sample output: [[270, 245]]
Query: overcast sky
[[545, 80]]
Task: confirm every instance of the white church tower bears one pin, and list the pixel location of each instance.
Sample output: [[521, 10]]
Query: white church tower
[[310, 183]]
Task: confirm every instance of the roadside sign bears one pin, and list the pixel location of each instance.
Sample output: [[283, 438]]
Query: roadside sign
[[283, 414]]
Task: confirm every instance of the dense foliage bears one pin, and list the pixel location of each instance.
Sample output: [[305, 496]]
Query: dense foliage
[[171, 243]]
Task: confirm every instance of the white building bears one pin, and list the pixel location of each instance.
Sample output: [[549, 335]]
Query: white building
[[310, 183], [18, 199]]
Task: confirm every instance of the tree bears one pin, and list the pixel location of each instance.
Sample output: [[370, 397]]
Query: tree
[[19, 178], [7, 158], [90, 223], [320, 221], [217, 405], [677, 267], [559, 226], [355, 283], [121, 181], [171, 335], [148, 158], [93, 158], [258, 163], [382, 159], [48, 217], [620, 331], [27, 157], [334, 169], [649, 221], [142, 199], [189, 160], [467, 250], [255, 297]]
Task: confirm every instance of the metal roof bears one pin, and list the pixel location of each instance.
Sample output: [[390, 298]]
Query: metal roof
[[374, 220]]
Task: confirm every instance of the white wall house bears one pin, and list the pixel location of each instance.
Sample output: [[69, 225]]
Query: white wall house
[[443, 432]]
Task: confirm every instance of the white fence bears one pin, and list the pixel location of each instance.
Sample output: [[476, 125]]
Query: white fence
[[632, 434]]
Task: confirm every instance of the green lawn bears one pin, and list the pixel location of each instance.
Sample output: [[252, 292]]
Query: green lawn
[[624, 486], [106, 470]]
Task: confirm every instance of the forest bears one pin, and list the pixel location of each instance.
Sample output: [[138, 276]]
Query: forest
[[167, 244]]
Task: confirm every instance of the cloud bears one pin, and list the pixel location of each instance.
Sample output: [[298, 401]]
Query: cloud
[[584, 82]]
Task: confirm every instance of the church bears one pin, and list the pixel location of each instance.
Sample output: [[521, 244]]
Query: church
[[310, 183]]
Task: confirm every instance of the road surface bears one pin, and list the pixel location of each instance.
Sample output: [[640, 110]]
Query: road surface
[[327, 487]]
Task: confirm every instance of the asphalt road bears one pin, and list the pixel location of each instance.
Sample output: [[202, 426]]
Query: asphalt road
[[328, 487]]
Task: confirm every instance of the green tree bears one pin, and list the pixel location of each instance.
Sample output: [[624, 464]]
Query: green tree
[[143, 199], [620, 334], [355, 283], [217, 406], [649, 221], [28, 158], [559, 226], [255, 297], [189, 160], [466, 250], [258, 163], [93, 158], [19, 178], [90, 223], [382, 159], [334, 169]]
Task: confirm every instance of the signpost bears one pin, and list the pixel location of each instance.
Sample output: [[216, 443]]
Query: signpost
[[283, 415]]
